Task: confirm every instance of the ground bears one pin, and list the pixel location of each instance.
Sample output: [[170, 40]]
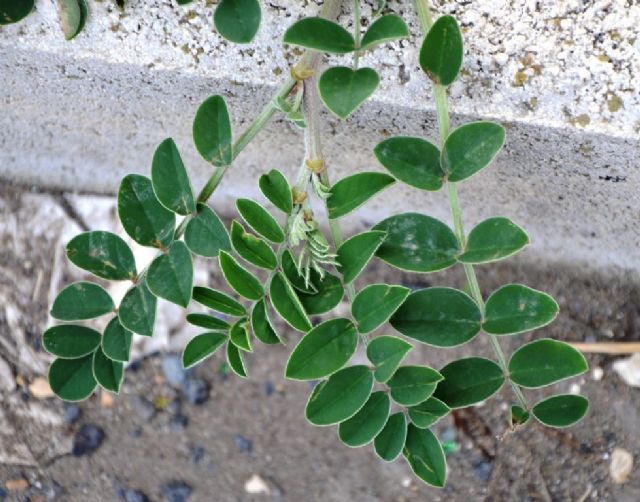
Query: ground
[[208, 433]]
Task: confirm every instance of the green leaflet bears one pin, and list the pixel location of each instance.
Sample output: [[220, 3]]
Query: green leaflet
[[292, 274], [355, 253], [170, 179], [239, 336], [212, 131], [412, 385], [170, 275], [81, 300], [137, 311], [320, 34], [234, 358], [340, 397], [240, 279], [108, 373], [470, 148], [417, 243], [251, 248], [116, 341], [238, 20], [469, 381], [375, 304], [207, 321], [323, 350], [329, 294], [492, 240], [72, 379], [425, 456], [68, 341], [218, 301], [261, 324], [428, 412], [384, 29], [443, 317], [543, 362], [205, 234], [275, 187], [562, 410], [441, 52], [286, 303], [390, 442], [515, 308], [12, 11], [412, 160], [260, 220], [353, 191], [103, 254], [518, 415], [146, 221], [386, 353], [201, 347], [365, 425], [343, 89], [73, 16]]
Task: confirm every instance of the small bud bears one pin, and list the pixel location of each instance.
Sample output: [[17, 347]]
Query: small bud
[[315, 165], [299, 196], [301, 73]]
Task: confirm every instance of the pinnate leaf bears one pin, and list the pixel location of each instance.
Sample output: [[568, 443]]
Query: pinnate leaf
[[170, 275], [259, 219], [137, 311], [212, 131], [205, 233], [428, 412], [562, 410], [386, 353], [240, 279], [81, 300], [425, 455], [116, 341], [69, 341], [275, 187], [353, 191], [365, 425], [390, 441], [104, 254], [441, 52], [108, 373], [469, 381], [170, 179], [218, 301], [411, 385], [287, 304], [355, 253], [201, 347], [72, 379], [493, 239], [373, 306]]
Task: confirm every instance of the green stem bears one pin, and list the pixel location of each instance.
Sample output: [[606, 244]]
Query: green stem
[[356, 32], [442, 112]]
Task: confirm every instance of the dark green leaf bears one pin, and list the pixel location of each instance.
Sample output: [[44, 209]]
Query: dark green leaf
[[343, 89], [518, 415], [384, 29], [212, 131], [515, 308], [353, 191], [425, 455], [411, 385], [386, 353], [287, 305], [417, 243], [201, 347], [68, 341], [240, 279], [137, 311], [543, 362], [412, 160], [355, 253], [340, 397], [170, 179], [469, 381], [81, 300], [492, 240], [470, 148], [365, 425], [238, 20], [205, 234], [234, 358], [329, 294], [261, 324], [170, 275], [562, 410], [73, 16], [443, 317], [12, 11], [108, 373], [275, 187], [239, 336], [441, 52], [320, 34], [259, 219], [390, 442], [428, 412], [143, 217], [116, 341], [103, 254], [375, 304], [207, 321], [292, 274], [323, 350], [251, 248], [218, 301], [72, 379]]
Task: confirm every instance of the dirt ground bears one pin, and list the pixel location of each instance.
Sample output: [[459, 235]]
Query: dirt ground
[[227, 437]]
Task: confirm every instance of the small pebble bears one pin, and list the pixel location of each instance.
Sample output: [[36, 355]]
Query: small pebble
[[256, 485], [144, 408], [178, 422], [621, 465], [269, 388], [87, 440], [197, 454], [135, 496], [173, 371], [176, 491], [16, 485], [40, 388], [597, 373], [136, 432], [629, 369], [243, 444], [53, 491], [72, 413], [196, 390], [482, 470]]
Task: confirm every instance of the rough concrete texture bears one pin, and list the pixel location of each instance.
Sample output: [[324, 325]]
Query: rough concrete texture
[[558, 74]]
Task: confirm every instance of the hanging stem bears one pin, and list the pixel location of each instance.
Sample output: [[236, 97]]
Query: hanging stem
[[442, 112]]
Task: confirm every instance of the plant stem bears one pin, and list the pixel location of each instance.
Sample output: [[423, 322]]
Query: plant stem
[[442, 112], [356, 32]]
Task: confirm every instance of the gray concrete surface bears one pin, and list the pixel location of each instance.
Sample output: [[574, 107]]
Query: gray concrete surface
[[558, 74]]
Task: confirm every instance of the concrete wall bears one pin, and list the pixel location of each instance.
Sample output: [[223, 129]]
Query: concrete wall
[[561, 75]]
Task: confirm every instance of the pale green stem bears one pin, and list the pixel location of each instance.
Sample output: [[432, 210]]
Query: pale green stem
[[356, 32], [442, 112]]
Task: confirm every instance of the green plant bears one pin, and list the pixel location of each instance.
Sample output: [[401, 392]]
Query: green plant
[[284, 263]]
